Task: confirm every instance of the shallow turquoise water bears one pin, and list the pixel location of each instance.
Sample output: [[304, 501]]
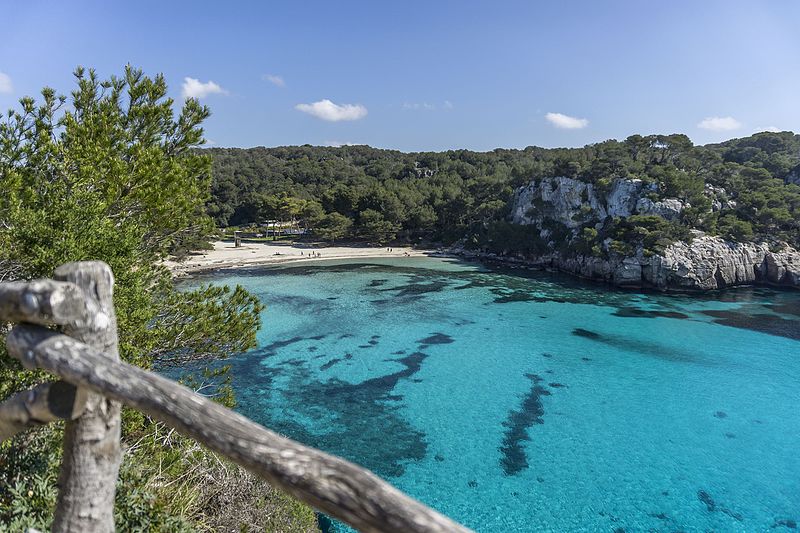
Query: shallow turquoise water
[[531, 402]]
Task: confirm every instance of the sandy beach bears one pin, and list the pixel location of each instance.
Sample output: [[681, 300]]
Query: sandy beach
[[225, 255]]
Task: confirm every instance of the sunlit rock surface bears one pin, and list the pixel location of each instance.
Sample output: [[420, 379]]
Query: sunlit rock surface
[[705, 263]]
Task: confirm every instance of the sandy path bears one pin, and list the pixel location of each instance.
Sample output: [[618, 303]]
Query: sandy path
[[225, 255]]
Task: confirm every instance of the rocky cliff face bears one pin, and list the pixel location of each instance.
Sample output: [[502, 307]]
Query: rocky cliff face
[[705, 263], [573, 202]]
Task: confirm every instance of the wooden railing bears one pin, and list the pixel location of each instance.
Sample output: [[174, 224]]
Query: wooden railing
[[94, 382]]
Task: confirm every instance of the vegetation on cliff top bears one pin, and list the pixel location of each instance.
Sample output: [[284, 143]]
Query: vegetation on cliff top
[[379, 195]]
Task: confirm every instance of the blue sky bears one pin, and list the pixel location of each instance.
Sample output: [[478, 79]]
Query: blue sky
[[432, 75]]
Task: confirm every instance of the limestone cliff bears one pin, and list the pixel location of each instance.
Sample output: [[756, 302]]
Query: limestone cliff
[[704, 263]]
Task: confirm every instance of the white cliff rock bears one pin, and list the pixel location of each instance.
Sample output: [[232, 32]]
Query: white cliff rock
[[705, 263], [621, 201], [713, 263], [573, 202], [668, 208], [558, 199]]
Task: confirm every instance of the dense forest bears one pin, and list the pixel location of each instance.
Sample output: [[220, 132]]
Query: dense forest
[[359, 192]]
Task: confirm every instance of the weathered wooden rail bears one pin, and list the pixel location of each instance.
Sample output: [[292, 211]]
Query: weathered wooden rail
[[94, 382]]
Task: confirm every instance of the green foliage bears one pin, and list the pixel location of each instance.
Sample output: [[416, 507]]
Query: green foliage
[[111, 174], [505, 237], [653, 233], [430, 196], [230, 318], [166, 483], [734, 229], [28, 471], [373, 227], [560, 234], [451, 195], [214, 383], [333, 226], [621, 248], [114, 178], [587, 241], [29, 503]]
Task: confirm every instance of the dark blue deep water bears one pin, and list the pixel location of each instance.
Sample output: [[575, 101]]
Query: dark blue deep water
[[525, 402]]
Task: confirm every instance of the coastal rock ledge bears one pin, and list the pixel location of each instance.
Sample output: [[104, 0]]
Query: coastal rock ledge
[[705, 263], [557, 208]]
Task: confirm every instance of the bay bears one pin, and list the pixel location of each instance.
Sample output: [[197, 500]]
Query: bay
[[522, 401]]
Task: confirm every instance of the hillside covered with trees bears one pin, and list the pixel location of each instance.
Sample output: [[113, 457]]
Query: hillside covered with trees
[[743, 189]]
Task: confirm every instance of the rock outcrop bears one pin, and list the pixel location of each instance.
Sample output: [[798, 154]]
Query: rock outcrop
[[705, 263], [669, 208], [572, 202], [713, 263]]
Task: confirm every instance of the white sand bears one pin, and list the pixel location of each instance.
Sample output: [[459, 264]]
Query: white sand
[[225, 255]]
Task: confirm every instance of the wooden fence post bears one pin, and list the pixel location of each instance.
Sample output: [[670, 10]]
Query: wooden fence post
[[88, 477]]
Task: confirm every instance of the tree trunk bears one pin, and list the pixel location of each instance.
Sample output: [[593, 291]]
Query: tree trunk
[[88, 477]]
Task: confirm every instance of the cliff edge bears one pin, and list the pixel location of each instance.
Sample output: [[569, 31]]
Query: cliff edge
[[559, 211]]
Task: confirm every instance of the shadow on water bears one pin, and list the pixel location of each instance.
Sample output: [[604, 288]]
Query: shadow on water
[[635, 312]]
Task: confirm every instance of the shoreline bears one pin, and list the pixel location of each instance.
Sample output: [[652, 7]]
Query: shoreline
[[225, 255], [547, 264]]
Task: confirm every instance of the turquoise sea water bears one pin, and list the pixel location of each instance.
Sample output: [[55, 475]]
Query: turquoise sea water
[[531, 402]]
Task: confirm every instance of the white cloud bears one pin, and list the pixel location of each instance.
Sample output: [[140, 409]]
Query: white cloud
[[416, 106], [5, 84], [327, 110], [719, 124], [771, 129], [339, 144], [274, 79], [425, 106], [566, 122], [194, 88]]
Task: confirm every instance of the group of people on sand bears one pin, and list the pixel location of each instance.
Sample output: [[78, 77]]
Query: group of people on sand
[[404, 253], [312, 253]]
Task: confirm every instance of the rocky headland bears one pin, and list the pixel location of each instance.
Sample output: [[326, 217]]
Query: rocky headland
[[558, 208]]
